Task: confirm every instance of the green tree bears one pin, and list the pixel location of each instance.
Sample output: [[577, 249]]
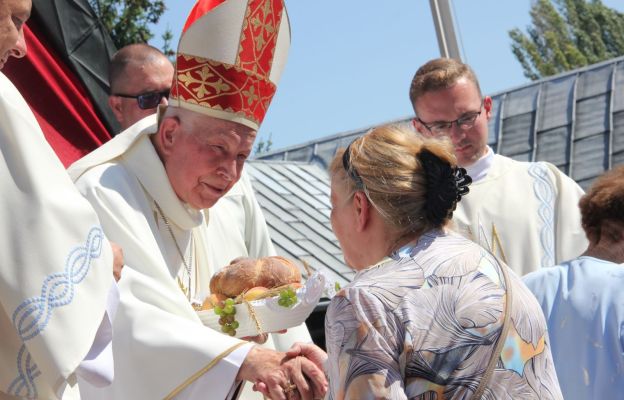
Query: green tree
[[167, 38], [567, 34], [128, 21]]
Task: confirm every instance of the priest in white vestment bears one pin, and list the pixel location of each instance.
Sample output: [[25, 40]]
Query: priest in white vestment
[[57, 292], [150, 185], [524, 212], [140, 79]]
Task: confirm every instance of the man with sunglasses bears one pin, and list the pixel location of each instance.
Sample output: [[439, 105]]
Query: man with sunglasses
[[140, 79], [525, 212]]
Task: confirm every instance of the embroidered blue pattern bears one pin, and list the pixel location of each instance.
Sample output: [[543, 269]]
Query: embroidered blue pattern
[[545, 193], [24, 385], [33, 315]]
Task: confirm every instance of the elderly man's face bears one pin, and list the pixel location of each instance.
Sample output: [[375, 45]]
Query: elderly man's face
[[204, 159], [13, 15], [154, 76]]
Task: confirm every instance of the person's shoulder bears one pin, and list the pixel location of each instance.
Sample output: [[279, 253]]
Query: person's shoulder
[[545, 276], [361, 302], [94, 174], [368, 285], [540, 170], [109, 177], [525, 165], [503, 166], [600, 273]]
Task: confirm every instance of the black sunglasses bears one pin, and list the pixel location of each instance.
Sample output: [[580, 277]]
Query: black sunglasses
[[147, 100]]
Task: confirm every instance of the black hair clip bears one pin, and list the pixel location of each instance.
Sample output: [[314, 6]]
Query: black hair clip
[[445, 186], [462, 181]]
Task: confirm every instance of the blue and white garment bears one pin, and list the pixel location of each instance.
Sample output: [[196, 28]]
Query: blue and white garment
[[583, 302], [55, 263], [423, 325], [525, 213]]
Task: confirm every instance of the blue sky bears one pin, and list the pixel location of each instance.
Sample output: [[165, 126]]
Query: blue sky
[[351, 61]]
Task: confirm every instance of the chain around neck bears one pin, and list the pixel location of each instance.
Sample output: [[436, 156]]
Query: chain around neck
[[187, 266]]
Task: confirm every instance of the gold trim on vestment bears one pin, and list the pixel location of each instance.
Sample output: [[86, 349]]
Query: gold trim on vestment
[[202, 371], [497, 242]]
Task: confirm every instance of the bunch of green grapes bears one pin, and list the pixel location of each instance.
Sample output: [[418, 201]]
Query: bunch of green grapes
[[287, 298], [227, 311]]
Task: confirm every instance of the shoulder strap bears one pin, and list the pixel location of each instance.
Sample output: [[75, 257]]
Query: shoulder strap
[[501, 339]]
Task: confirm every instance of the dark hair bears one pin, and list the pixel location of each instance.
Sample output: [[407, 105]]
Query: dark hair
[[603, 202]]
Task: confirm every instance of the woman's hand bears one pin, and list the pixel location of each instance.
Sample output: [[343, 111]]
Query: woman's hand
[[303, 353], [276, 376], [310, 351]]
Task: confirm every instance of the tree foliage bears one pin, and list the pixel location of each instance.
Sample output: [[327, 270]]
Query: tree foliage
[[567, 34], [128, 21]]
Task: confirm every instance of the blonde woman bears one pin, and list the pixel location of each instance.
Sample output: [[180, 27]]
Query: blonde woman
[[429, 314]]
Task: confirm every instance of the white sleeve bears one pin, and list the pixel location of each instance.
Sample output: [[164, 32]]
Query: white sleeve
[[97, 367], [225, 371]]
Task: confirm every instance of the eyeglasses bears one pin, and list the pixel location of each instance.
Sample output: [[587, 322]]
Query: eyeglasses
[[464, 122], [147, 100]]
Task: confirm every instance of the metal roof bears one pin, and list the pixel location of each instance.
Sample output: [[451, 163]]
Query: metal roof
[[574, 120], [295, 202]]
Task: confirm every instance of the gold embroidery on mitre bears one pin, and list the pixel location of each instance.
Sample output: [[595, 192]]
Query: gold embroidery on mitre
[[261, 21], [204, 83], [264, 26], [220, 86]]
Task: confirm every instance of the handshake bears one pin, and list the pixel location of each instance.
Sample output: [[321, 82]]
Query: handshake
[[296, 374]]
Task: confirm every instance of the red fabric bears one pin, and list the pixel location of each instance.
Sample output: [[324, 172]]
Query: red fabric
[[259, 37], [221, 86], [58, 100], [201, 8]]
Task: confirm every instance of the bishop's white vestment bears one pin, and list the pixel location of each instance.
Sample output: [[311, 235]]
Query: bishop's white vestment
[[525, 212], [55, 263], [163, 349]]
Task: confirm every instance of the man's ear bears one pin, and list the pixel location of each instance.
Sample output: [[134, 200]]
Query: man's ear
[[362, 208], [114, 102], [167, 135]]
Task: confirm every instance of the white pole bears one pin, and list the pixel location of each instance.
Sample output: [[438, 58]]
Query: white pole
[[445, 28]]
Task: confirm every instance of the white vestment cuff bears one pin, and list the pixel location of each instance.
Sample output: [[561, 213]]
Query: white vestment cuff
[[97, 367]]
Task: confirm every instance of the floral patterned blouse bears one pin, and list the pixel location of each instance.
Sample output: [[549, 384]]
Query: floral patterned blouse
[[423, 324]]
